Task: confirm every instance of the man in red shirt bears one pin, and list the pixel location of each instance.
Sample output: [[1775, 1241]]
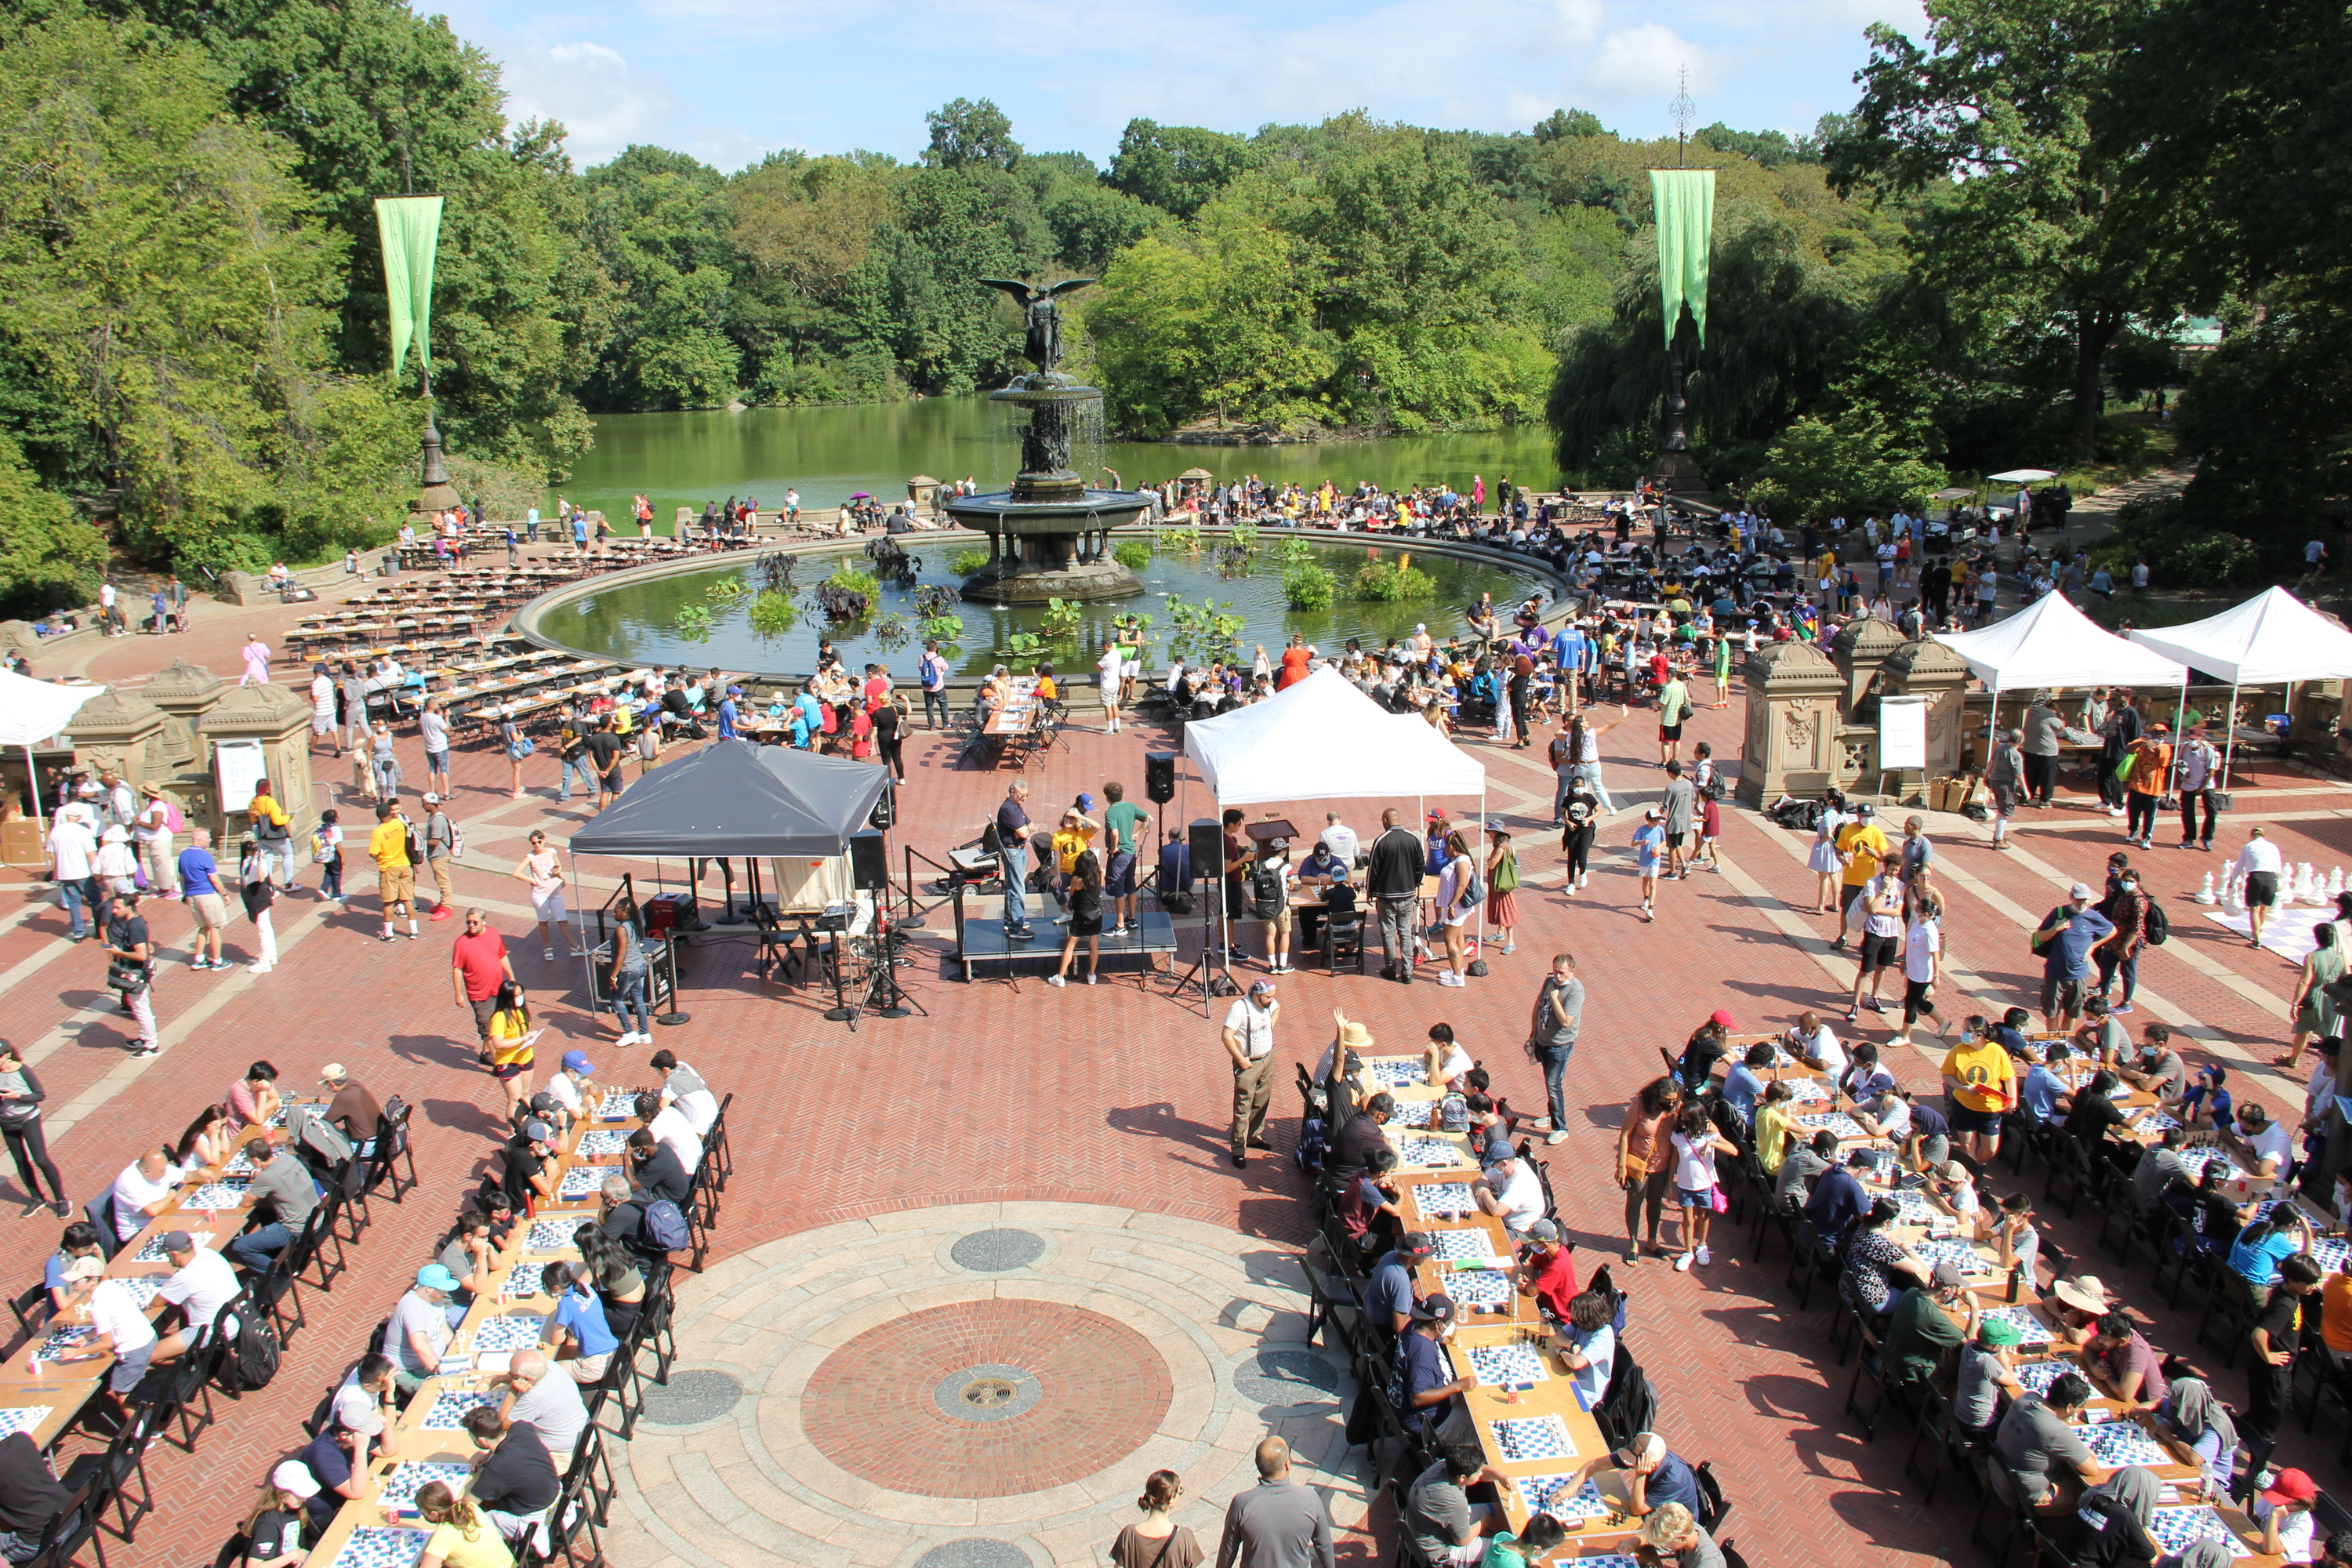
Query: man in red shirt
[[1294, 663], [1545, 1271], [477, 967]]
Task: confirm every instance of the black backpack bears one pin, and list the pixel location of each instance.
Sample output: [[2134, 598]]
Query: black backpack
[[257, 1350], [2157, 925], [1266, 892]]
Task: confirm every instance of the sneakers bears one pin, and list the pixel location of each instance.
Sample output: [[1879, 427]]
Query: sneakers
[[1090, 979], [384, 935], [1704, 1255], [1055, 981], [548, 953], [261, 968], [1683, 1263], [440, 912], [1447, 977], [2120, 1007], [1561, 1137], [144, 1052]]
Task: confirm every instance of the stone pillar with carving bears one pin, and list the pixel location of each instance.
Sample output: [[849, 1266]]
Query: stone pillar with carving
[[279, 717], [1928, 669], [1862, 647], [1790, 748], [185, 692], [122, 731]]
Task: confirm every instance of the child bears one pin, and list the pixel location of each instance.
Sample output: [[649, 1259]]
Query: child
[[1710, 810], [1649, 843], [327, 850], [1695, 1145]]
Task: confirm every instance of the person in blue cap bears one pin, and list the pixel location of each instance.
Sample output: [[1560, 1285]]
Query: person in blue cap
[[726, 712], [574, 1087], [419, 1330]]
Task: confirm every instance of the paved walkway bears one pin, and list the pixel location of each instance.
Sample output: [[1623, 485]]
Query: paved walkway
[[866, 1157]]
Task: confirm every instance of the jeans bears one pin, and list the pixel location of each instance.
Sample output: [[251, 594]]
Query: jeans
[[282, 851], [1555, 1068], [1398, 934], [629, 996], [257, 1249], [331, 877], [2189, 800], [1591, 773], [587, 777], [142, 1011], [1014, 869], [31, 1153], [1579, 851], [2139, 815], [77, 894], [935, 703], [2110, 965]]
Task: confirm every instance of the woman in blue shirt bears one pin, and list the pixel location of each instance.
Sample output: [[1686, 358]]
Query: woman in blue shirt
[[577, 1336], [2255, 1256]]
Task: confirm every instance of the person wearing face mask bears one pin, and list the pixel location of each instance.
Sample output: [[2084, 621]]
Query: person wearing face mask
[[2118, 955]]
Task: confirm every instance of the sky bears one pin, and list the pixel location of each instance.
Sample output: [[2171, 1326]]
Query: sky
[[730, 81]]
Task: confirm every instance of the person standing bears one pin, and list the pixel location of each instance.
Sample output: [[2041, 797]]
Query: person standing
[[1279, 1523], [1679, 807], [257, 895], [1106, 674], [322, 701], [2042, 725], [351, 694], [1012, 857], [1502, 884], [2258, 863], [1155, 1540], [20, 1125], [1649, 847], [478, 965], [2065, 939], [256, 662], [1392, 881], [435, 730], [2119, 954], [572, 747], [273, 830], [1124, 821], [542, 869], [1248, 1038], [2004, 778], [604, 748], [151, 832], [1581, 817], [1086, 918], [395, 873], [1551, 1035], [208, 899], [73, 851], [130, 967], [931, 672], [1673, 707], [1880, 908], [2199, 766], [2151, 774], [1457, 901], [440, 840]]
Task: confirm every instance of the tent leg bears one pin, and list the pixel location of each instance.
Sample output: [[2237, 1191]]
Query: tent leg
[[2229, 735], [33, 783]]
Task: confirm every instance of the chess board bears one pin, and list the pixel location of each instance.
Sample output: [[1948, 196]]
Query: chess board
[[239, 1165], [1454, 1246], [2116, 1444], [277, 1116], [520, 1283], [2154, 1122], [582, 1181], [2030, 1330], [1419, 1151], [22, 1418], [401, 1483], [1562, 1498], [380, 1546], [550, 1235], [1481, 1290], [153, 1251], [2197, 1159], [142, 1288], [619, 1106], [1913, 1208], [597, 1144], [1498, 1365], [216, 1195], [2038, 1376], [1396, 1072], [73, 1337], [1807, 1091], [1836, 1122], [509, 1334], [1968, 1260], [1533, 1437], [450, 1407], [1609, 1560], [2176, 1529], [1437, 1198], [2329, 1252]]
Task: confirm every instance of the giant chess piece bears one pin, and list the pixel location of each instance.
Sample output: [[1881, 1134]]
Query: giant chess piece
[[2232, 900], [2302, 880], [2206, 895], [2334, 884]]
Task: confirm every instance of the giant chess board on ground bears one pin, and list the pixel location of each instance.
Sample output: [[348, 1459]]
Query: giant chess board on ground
[[1533, 1437], [1499, 1365], [380, 1546], [2176, 1529]]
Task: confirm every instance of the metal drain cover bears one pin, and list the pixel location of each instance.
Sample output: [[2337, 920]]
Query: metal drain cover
[[988, 1392], [695, 1394]]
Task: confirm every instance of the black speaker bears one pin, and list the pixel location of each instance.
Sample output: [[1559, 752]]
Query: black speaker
[[869, 868], [1159, 776], [1207, 847], [885, 810]]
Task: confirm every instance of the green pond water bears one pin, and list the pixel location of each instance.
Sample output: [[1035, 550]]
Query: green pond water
[[637, 620], [829, 454]]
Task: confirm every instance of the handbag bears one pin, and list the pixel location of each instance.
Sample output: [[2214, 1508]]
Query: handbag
[[1716, 1200], [2219, 800], [127, 978]]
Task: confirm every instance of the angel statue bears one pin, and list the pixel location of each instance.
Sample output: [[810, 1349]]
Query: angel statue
[[1045, 345]]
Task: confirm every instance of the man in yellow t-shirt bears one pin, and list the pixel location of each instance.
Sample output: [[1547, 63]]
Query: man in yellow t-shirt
[[1863, 844], [396, 874], [1982, 1083]]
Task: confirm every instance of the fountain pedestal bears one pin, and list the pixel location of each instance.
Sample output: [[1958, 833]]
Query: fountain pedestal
[[1049, 535]]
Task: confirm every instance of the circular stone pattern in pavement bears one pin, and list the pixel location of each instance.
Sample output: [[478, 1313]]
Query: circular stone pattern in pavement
[[998, 1251], [873, 1406], [974, 1551]]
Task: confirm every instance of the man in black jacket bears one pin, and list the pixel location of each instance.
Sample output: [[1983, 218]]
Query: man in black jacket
[[514, 1481], [658, 1168], [1394, 882]]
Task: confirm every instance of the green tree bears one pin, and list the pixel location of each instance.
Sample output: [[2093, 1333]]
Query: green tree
[[1563, 123], [1849, 464], [964, 134], [1176, 168], [1996, 114], [48, 558], [661, 225]]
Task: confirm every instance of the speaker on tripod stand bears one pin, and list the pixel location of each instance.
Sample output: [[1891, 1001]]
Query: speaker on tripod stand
[[1205, 845]]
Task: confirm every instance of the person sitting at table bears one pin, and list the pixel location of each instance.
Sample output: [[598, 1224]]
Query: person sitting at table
[[2206, 1101], [80, 1240], [1587, 1344], [1838, 1199], [1875, 1260], [1988, 1373], [461, 1537], [1544, 1531], [670, 1129], [2123, 1364], [1813, 1043], [1443, 1061], [1885, 1114], [2260, 1248], [1419, 1394], [2091, 1111], [30, 1496], [358, 1428], [1322, 867], [200, 1283], [576, 1333], [1927, 1322], [2265, 1146], [613, 1272], [254, 1098], [1743, 1085], [273, 1530], [1640, 1477], [120, 1325], [550, 1404], [2109, 1528], [1863, 1078], [1389, 1295], [2159, 1069], [525, 1164], [470, 1254], [206, 1140], [516, 1478], [2036, 1438], [1444, 1523], [283, 1194], [419, 1328], [1673, 1531], [1545, 1271], [684, 1088], [1509, 1190], [147, 1187], [656, 1168], [2190, 1413]]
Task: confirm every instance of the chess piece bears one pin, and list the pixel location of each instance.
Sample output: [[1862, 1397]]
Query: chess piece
[[2205, 895], [2334, 884], [2303, 883], [2233, 897]]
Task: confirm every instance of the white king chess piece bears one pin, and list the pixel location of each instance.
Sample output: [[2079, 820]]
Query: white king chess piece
[[2334, 883], [2205, 895]]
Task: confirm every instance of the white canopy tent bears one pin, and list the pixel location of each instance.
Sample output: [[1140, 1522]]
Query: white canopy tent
[[2020, 478], [2273, 637], [2051, 643], [34, 711], [1321, 738]]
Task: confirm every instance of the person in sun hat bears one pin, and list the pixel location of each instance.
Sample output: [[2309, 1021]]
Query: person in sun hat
[[2082, 1303]]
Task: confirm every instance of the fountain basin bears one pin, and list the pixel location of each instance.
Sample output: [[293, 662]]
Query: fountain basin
[[1049, 549]]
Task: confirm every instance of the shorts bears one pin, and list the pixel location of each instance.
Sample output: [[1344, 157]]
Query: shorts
[[322, 723], [1694, 1197], [1281, 921], [212, 910], [483, 1009], [1132, 669], [507, 1070], [1670, 731], [1110, 684], [1982, 1123], [2061, 995], [549, 910], [436, 761], [131, 1368], [1118, 879], [1878, 951], [397, 884], [2261, 889]]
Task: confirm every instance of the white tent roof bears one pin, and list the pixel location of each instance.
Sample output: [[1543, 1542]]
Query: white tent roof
[[2022, 476], [2051, 643], [2274, 637], [31, 711], [1322, 739]]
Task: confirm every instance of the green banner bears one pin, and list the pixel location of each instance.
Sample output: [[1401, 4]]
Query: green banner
[[1684, 201], [409, 228]]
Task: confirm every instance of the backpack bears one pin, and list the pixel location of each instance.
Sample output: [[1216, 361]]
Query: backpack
[[1453, 1113], [257, 1351], [1309, 1153], [2157, 924], [665, 1227], [316, 1137], [1266, 892], [416, 847], [456, 839], [171, 817]]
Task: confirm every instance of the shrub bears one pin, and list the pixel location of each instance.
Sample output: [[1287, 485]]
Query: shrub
[[1307, 587], [773, 613], [967, 562], [1132, 554], [847, 577], [1386, 584], [2180, 551]]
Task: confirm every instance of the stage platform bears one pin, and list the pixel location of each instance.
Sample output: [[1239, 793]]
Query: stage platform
[[982, 941]]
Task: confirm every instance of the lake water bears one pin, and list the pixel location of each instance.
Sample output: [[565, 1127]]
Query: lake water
[[636, 621], [829, 454]]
